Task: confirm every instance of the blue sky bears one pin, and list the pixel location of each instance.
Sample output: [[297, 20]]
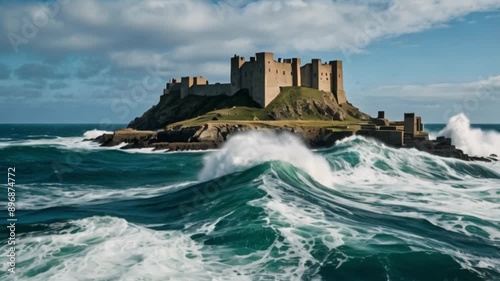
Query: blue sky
[[107, 61]]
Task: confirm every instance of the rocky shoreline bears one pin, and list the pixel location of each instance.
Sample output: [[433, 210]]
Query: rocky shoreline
[[213, 135]]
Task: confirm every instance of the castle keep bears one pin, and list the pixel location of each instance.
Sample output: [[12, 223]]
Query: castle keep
[[262, 76]]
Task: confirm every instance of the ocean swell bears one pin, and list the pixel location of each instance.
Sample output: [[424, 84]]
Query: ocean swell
[[264, 207]]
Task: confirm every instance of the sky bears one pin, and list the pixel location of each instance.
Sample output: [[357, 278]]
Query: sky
[[70, 61]]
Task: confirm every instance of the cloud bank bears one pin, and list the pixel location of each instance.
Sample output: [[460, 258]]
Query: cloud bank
[[98, 49]]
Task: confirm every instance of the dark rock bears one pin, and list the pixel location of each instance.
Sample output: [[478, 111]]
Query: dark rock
[[339, 116]]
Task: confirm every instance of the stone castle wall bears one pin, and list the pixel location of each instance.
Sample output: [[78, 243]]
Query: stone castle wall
[[211, 90]]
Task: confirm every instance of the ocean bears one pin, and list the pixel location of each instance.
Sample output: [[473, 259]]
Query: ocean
[[264, 207]]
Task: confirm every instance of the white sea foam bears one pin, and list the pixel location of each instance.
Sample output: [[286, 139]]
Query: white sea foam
[[61, 142], [108, 248], [69, 195], [92, 134], [248, 149], [471, 140], [76, 143]]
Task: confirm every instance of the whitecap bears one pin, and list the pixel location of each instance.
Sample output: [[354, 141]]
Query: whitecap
[[248, 149]]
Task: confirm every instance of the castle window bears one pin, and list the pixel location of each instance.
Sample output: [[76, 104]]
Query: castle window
[[276, 71], [269, 70], [268, 61], [283, 73]]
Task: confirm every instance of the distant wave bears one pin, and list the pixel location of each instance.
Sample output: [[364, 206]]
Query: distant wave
[[92, 134], [61, 142], [470, 140]]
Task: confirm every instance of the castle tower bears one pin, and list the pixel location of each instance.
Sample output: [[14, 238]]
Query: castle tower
[[338, 81], [296, 77], [186, 83], [316, 63], [411, 126], [236, 64], [264, 92]]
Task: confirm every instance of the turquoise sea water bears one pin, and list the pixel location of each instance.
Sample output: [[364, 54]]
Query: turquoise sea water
[[264, 207]]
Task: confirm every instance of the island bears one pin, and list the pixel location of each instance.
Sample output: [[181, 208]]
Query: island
[[267, 94]]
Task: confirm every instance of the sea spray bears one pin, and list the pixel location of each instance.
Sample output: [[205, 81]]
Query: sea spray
[[470, 140], [92, 134], [248, 149]]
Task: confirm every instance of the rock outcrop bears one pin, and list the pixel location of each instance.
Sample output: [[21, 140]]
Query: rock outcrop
[[213, 135], [443, 147], [210, 136]]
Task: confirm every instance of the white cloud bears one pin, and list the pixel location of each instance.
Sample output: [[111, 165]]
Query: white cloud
[[88, 12], [487, 88], [228, 26], [77, 42]]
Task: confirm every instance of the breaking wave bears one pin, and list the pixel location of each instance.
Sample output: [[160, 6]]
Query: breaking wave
[[471, 140], [251, 148]]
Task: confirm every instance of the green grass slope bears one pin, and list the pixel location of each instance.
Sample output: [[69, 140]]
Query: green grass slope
[[293, 103], [171, 108]]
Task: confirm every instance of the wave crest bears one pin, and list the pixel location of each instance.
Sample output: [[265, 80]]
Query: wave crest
[[255, 147]]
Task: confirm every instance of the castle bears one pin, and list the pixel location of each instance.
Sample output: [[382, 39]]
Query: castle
[[262, 76]]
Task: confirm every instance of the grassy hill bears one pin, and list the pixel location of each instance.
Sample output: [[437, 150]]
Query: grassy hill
[[293, 103]]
